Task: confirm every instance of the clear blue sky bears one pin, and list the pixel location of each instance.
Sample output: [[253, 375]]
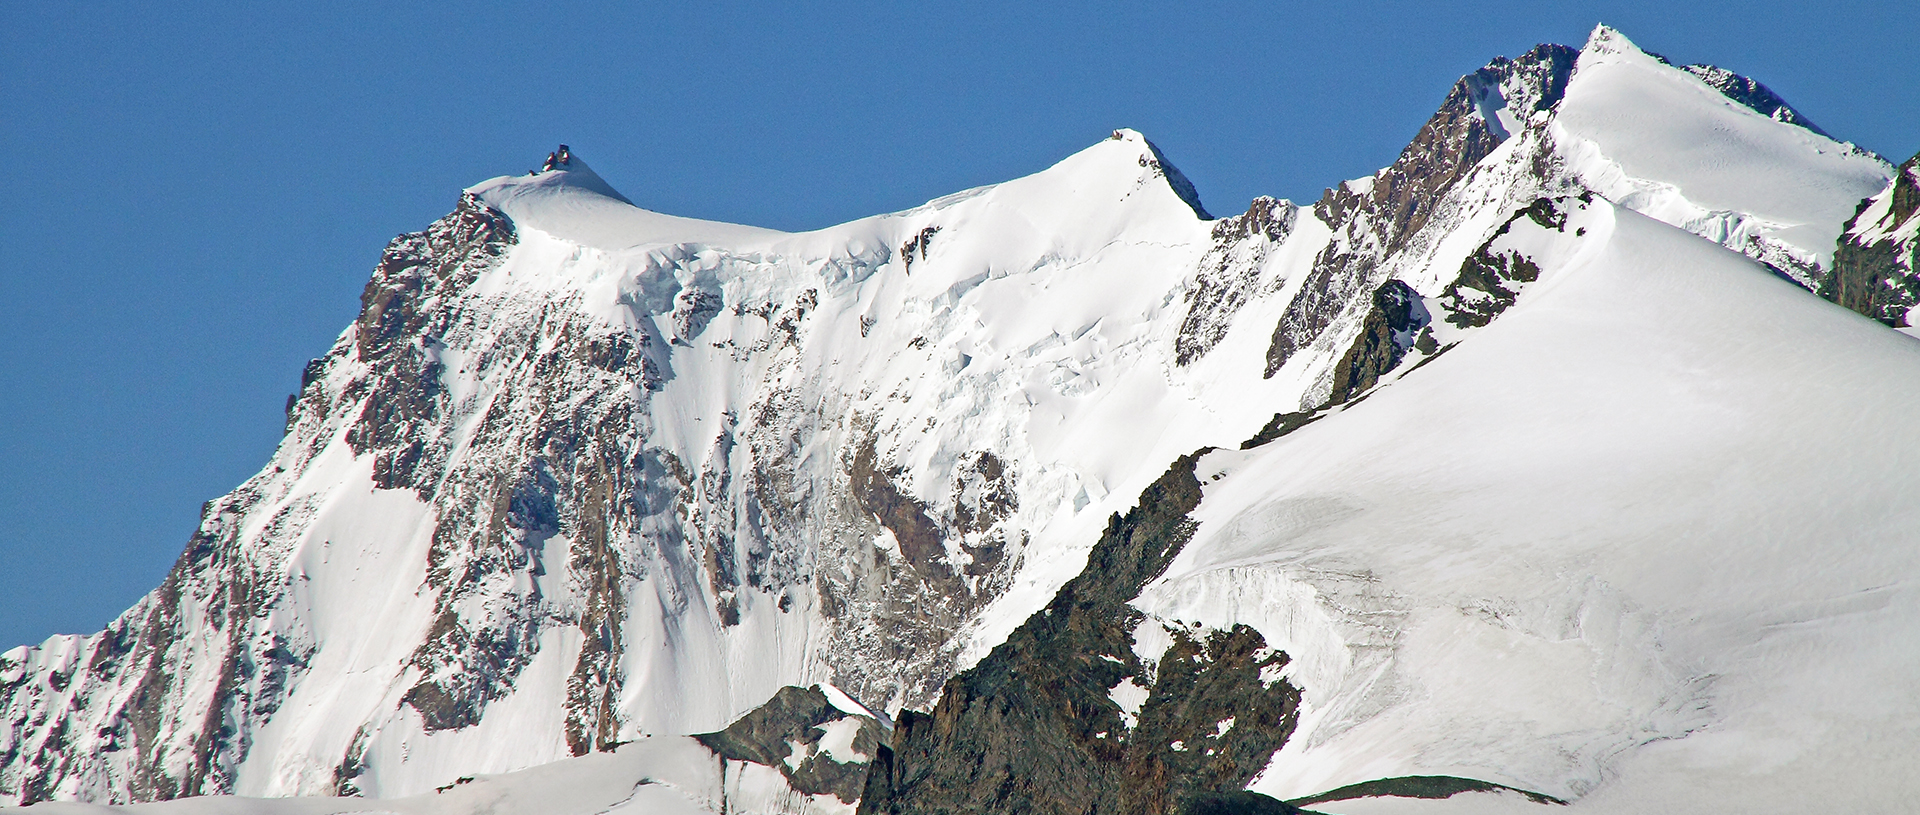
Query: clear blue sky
[[196, 193]]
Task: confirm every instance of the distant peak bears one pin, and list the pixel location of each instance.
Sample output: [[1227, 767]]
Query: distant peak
[[1606, 39], [563, 168], [1158, 163]]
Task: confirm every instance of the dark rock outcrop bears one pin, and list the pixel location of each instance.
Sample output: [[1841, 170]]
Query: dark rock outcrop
[[1875, 272], [1490, 279], [1419, 786], [787, 734], [557, 457], [916, 247], [919, 537], [1034, 727], [1376, 218], [1389, 331], [401, 317]]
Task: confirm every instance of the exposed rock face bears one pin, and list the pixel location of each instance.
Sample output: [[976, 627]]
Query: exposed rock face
[[1074, 713], [1491, 278], [820, 748], [1374, 218], [1487, 285], [1229, 275], [1876, 267], [206, 666], [1390, 330], [917, 247], [1281, 424]]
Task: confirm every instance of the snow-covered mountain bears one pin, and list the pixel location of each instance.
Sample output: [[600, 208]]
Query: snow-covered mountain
[[1528, 468]]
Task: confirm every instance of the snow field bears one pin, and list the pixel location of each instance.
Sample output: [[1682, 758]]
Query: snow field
[[1695, 588], [667, 775]]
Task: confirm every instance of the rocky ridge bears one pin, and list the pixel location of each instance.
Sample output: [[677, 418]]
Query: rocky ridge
[[1876, 269]]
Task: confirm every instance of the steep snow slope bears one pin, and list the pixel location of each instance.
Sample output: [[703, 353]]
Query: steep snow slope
[[582, 473], [1642, 541], [571, 202], [1671, 145]]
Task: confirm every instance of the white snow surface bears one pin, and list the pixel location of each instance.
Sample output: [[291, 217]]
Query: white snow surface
[[667, 775], [1638, 537], [1645, 541], [1664, 142], [836, 741], [577, 205]]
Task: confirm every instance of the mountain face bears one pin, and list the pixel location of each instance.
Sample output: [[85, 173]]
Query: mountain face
[[1527, 468]]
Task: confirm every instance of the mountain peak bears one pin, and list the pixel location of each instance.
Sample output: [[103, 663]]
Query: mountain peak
[[1157, 160], [567, 199], [564, 168], [1606, 39]]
